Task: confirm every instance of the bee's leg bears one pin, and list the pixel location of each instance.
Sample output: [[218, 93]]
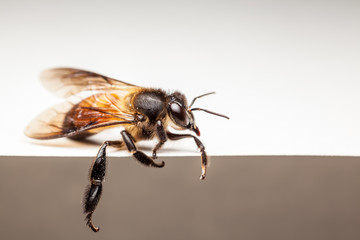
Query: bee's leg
[[160, 131], [140, 156], [204, 160], [97, 175]]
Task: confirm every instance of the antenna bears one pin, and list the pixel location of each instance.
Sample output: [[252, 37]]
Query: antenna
[[214, 113], [193, 101]]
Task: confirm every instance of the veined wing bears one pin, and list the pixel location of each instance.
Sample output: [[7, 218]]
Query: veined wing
[[91, 115], [65, 82]]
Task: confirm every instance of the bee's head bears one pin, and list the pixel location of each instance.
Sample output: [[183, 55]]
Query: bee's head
[[181, 114]]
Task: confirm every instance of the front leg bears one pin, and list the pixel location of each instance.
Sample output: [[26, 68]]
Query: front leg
[[204, 160], [160, 131]]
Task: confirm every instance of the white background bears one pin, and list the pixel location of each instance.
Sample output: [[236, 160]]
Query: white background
[[286, 72]]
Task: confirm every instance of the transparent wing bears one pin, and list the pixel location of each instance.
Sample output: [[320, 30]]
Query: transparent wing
[[65, 82], [87, 117]]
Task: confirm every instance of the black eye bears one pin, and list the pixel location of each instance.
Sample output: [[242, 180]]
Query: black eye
[[179, 114]]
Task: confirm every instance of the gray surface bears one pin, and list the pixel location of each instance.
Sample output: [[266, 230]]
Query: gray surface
[[242, 198]]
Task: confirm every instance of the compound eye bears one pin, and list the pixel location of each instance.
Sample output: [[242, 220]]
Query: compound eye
[[179, 114]]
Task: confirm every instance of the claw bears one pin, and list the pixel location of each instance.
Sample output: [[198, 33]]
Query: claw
[[90, 223], [203, 164], [203, 172], [159, 165]]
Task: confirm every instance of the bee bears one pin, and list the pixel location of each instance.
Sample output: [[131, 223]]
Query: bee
[[143, 113]]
